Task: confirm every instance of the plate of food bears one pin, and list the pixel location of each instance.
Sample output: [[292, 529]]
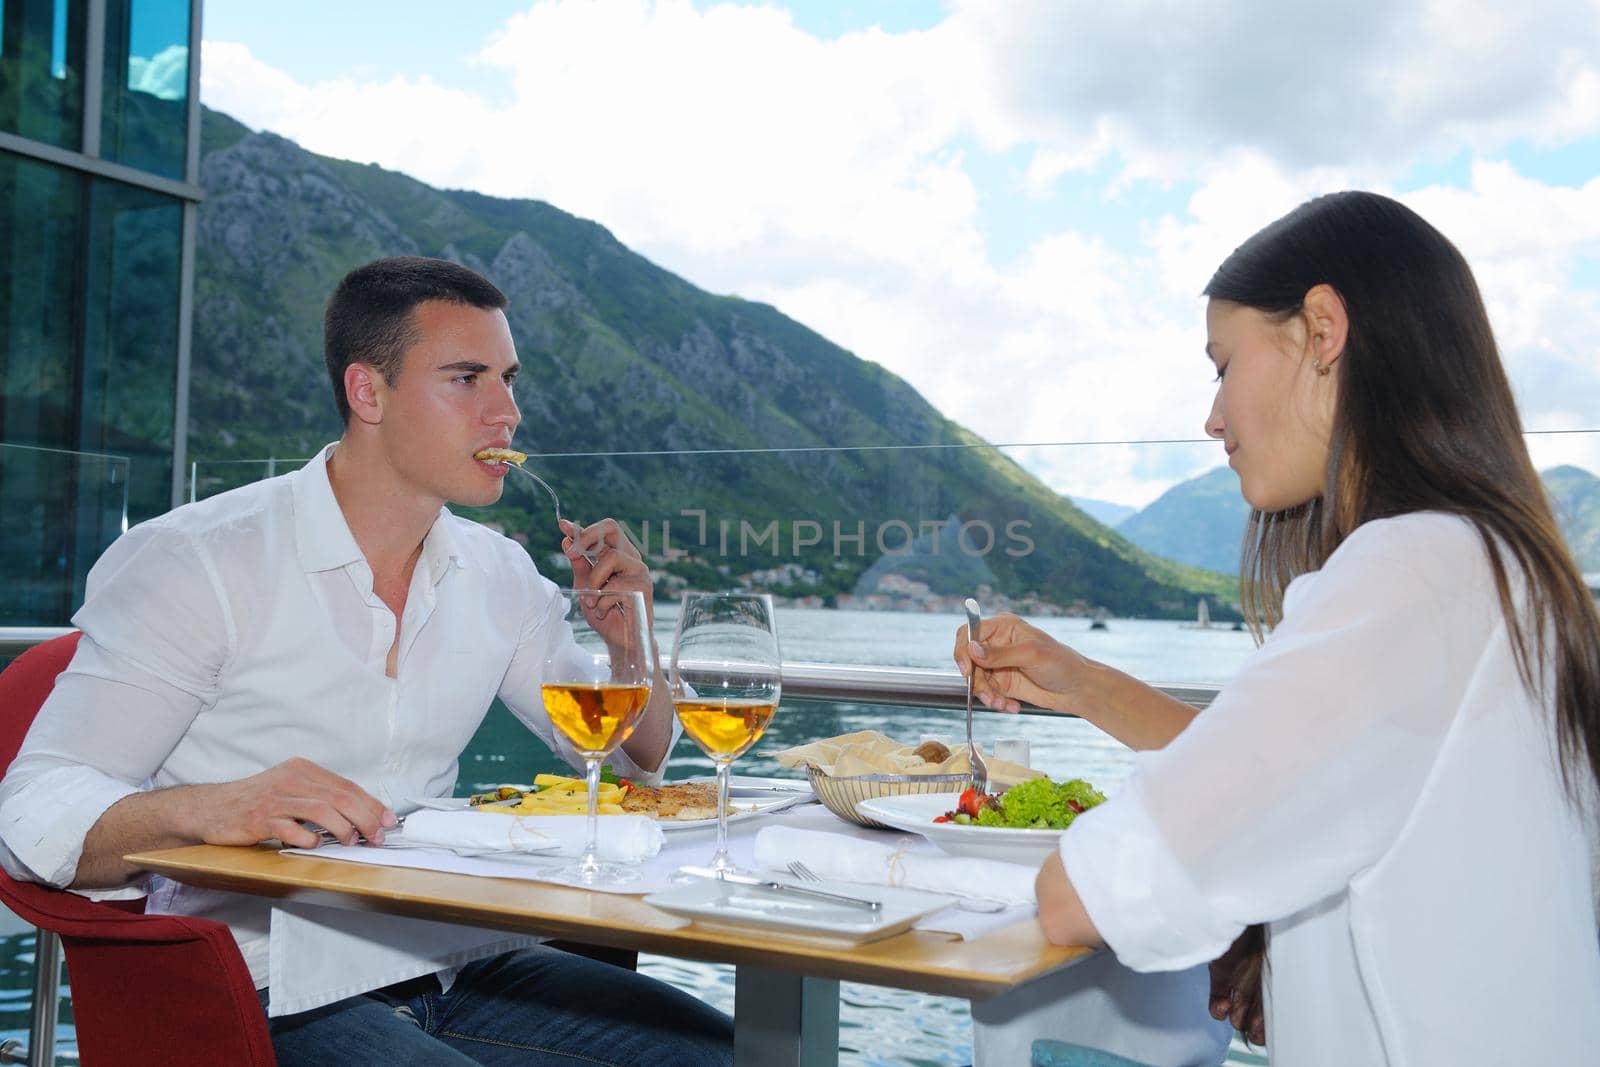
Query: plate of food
[[688, 805], [1022, 825]]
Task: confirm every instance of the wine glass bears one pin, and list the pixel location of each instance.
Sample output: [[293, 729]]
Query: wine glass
[[596, 687], [726, 678]]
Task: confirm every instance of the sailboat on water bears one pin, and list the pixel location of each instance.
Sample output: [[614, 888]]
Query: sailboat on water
[[1202, 618]]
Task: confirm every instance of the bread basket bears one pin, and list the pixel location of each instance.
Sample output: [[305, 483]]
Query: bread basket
[[841, 795]]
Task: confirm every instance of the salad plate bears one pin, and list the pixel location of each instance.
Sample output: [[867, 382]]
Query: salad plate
[[916, 813]]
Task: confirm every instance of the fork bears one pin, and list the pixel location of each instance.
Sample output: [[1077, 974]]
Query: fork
[[327, 838], [978, 904], [555, 502], [980, 771], [802, 872]]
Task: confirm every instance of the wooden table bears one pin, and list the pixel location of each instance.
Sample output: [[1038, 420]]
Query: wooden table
[[786, 996]]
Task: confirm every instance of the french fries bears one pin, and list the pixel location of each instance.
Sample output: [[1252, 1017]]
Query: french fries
[[559, 796]]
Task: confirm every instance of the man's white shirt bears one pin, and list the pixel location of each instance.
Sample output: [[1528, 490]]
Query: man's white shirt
[[232, 634]]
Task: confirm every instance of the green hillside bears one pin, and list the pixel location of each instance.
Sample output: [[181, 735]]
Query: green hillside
[[621, 356]]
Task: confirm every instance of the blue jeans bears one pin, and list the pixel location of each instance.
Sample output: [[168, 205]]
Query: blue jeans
[[532, 1007]]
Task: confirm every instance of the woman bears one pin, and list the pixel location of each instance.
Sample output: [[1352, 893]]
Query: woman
[[1398, 783]]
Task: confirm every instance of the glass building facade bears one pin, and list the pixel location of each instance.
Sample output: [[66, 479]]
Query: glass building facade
[[99, 167], [99, 170]]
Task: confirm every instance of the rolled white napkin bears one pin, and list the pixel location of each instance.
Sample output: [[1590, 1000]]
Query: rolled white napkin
[[623, 838], [835, 857]]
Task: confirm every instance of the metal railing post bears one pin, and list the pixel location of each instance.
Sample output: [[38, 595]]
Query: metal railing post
[[46, 999]]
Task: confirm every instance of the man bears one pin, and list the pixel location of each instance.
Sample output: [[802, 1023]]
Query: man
[[319, 648]]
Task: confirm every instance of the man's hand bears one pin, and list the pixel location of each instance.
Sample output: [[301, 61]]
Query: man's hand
[[1016, 662], [618, 566], [277, 802], [1236, 985], [272, 805]]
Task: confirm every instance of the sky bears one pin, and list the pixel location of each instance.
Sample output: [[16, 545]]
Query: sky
[[1012, 205]]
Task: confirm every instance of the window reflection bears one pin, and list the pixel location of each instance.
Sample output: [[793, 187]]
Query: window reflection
[[88, 364], [40, 209], [143, 120], [127, 394], [41, 69]]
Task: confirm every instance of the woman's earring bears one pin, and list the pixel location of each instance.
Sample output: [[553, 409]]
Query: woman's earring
[[1322, 372]]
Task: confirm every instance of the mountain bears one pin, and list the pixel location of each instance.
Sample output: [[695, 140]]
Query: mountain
[[1575, 496], [1199, 522], [624, 358], [1103, 511]]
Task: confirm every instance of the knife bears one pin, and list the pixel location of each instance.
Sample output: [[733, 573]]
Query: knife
[[783, 887]]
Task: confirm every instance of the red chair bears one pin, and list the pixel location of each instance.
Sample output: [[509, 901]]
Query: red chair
[[149, 988]]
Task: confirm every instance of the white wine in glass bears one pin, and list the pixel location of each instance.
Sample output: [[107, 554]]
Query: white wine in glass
[[727, 675], [725, 729], [595, 716], [596, 687]]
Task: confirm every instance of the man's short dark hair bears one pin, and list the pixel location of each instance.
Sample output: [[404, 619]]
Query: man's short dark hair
[[369, 317]]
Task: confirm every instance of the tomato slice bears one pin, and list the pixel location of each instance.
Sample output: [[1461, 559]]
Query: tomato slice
[[971, 800]]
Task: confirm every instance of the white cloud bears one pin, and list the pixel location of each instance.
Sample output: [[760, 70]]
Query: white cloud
[[1367, 82], [834, 179], [1524, 240], [439, 135], [164, 75]]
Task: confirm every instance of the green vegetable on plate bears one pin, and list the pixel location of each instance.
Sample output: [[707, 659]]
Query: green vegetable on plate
[[1041, 804]]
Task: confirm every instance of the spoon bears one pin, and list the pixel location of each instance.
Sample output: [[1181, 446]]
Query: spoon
[[980, 772]]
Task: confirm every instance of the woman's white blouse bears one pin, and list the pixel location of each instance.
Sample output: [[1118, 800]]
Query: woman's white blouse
[[1378, 786]]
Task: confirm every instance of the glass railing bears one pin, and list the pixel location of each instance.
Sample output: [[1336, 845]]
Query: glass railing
[[58, 511], [212, 476]]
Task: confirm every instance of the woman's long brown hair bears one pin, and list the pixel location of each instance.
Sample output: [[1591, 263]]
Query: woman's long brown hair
[[1424, 421]]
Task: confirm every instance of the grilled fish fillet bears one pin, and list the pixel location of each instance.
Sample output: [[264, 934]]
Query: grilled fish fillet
[[683, 801]]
